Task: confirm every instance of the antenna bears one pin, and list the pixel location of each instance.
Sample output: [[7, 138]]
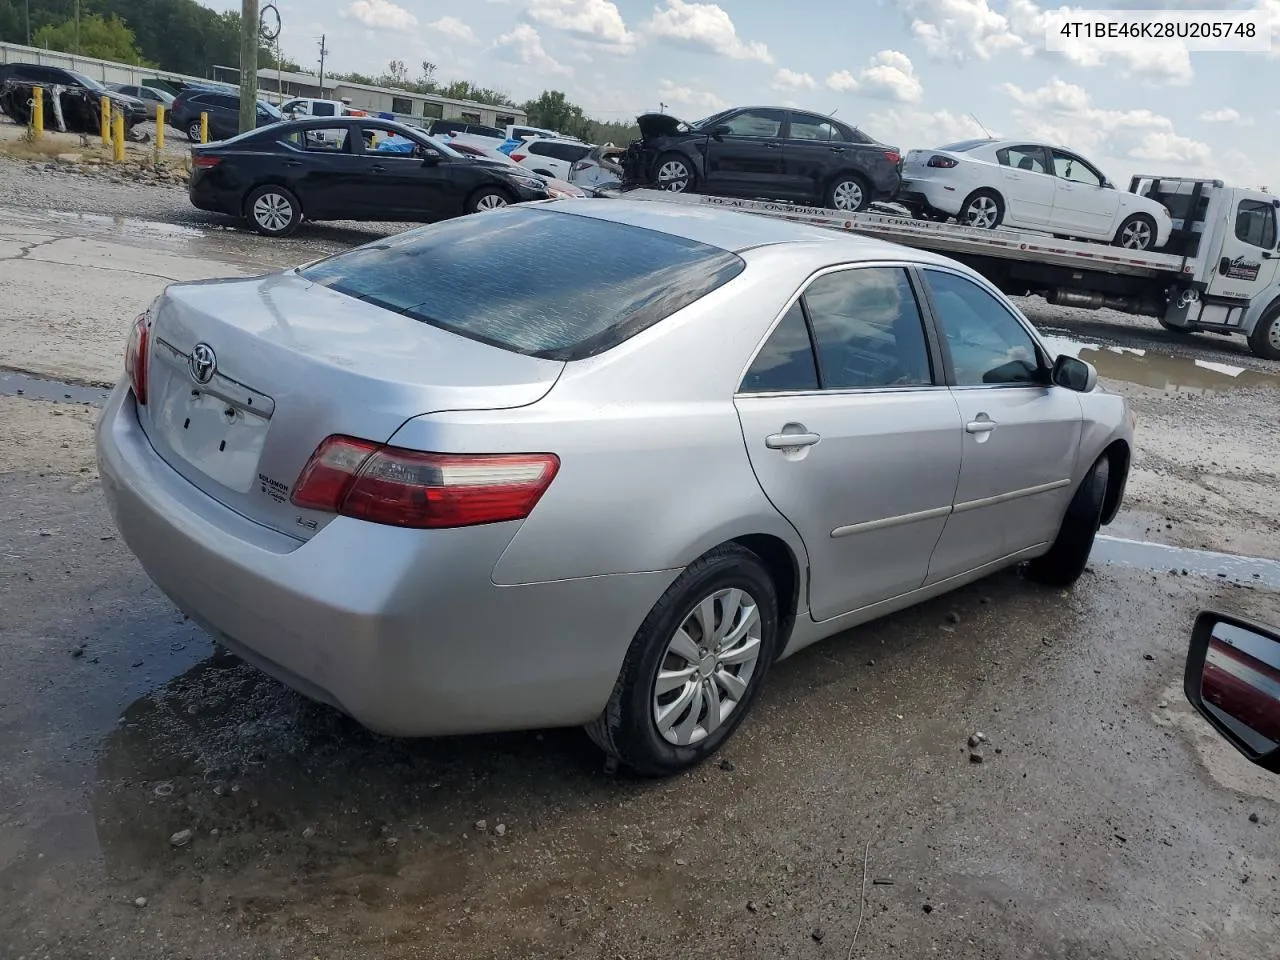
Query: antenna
[[834, 112], [974, 118]]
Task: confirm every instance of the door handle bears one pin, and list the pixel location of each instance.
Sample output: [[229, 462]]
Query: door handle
[[377, 168], [980, 426], [773, 146], [293, 163], [782, 441], [837, 149]]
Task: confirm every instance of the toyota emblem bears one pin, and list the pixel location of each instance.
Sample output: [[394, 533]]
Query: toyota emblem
[[202, 363]]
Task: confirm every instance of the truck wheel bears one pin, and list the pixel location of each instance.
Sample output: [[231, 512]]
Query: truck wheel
[[1264, 341], [1066, 559], [1138, 232], [674, 174], [694, 667], [983, 209], [848, 193]]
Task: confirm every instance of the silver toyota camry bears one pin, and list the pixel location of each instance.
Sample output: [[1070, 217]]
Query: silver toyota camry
[[593, 462]]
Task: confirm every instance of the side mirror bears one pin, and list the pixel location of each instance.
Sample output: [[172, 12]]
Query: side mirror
[[428, 155], [1108, 185], [1233, 680], [1074, 374], [721, 130]]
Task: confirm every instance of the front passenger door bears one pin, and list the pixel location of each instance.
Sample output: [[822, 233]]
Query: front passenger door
[[407, 186], [851, 438], [747, 161], [1021, 435]]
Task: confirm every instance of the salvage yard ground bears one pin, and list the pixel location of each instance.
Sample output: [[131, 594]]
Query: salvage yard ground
[[1106, 820]]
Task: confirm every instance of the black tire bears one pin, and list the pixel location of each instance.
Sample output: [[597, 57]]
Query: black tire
[[1066, 559], [193, 130], [1264, 339], [273, 211], [850, 190], [488, 198], [546, 173], [983, 209], [1138, 232], [667, 175], [627, 730]]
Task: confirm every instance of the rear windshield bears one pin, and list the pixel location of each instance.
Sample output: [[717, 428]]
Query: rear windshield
[[532, 281], [963, 146]]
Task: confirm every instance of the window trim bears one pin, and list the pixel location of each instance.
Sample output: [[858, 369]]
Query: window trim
[[937, 368], [784, 125], [1076, 158], [935, 322], [1046, 158], [1275, 223]]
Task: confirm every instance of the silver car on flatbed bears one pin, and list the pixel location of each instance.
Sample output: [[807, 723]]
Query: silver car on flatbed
[[597, 462]]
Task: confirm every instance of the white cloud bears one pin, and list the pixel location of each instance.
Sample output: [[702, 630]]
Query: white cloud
[[1226, 115], [889, 75], [598, 21], [901, 127], [675, 95], [523, 45], [1170, 148], [786, 79], [962, 30], [453, 28], [706, 26], [381, 15]]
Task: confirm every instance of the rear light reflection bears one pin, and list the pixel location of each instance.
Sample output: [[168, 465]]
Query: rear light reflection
[[135, 357], [517, 157], [408, 488]]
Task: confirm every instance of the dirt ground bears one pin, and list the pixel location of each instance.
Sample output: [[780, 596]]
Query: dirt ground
[[845, 818]]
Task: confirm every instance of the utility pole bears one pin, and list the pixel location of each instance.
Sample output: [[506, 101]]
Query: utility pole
[[250, 26], [77, 26], [28, 23], [323, 51]]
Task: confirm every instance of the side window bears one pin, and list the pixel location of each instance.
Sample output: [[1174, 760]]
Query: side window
[[226, 102], [805, 126], [317, 140], [571, 152], [867, 329], [755, 123], [1256, 224], [1074, 169], [987, 343], [321, 109], [1022, 158], [785, 362], [541, 149]]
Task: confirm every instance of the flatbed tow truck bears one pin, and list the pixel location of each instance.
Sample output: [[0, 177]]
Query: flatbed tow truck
[[1218, 273]]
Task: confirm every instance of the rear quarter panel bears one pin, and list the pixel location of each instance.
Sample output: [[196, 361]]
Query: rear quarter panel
[[654, 471]]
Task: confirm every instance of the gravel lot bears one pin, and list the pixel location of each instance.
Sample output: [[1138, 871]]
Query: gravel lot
[[157, 801]]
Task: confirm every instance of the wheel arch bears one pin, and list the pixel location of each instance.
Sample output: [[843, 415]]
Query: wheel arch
[[784, 569], [994, 191], [1118, 456]]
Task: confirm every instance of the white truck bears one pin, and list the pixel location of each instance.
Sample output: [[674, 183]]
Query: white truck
[[1219, 272]]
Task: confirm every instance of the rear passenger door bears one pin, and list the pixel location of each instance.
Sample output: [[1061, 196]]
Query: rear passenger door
[[813, 151], [1021, 435], [1027, 185], [852, 437]]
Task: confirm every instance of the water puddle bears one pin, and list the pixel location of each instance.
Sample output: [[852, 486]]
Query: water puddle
[[1162, 371], [13, 384], [1256, 571]]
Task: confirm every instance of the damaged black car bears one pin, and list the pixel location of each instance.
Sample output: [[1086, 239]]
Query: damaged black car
[[772, 153], [78, 105]]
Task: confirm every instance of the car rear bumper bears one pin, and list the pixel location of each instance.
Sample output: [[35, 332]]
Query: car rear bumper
[[932, 195], [403, 630]]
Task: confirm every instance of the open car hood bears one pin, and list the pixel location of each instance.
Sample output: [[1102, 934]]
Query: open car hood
[[660, 125]]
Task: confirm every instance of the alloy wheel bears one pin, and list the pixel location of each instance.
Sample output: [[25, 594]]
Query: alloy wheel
[[982, 213], [1136, 235], [272, 211], [847, 195], [707, 668], [491, 201]]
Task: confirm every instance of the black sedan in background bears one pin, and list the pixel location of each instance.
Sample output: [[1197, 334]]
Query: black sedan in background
[[773, 153], [348, 168]]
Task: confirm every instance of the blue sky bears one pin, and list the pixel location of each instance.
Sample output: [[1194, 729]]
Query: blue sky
[[909, 72]]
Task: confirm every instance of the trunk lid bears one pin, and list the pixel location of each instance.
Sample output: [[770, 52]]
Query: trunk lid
[[246, 377]]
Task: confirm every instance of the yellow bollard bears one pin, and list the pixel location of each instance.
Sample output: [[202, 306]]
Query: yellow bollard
[[159, 127], [117, 138], [37, 112], [204, 128], [105, 113]]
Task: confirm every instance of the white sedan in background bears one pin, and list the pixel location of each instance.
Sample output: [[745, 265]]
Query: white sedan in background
[[1034, 186]]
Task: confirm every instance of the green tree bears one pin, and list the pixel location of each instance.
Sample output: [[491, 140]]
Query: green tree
[[554, 111], [106, 39]]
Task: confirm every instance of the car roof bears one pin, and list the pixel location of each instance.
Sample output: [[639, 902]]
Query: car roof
[[735, 231]]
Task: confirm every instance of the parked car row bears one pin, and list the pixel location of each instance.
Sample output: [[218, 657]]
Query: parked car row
[[779, 153]]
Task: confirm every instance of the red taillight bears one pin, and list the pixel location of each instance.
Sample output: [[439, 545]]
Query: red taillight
[[892, 156], [204, 161], [135, 357], [517, 157], [582, 165], [407, 488], [937, 160]]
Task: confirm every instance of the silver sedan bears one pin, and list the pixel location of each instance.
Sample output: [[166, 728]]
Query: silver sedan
[[459, 481]]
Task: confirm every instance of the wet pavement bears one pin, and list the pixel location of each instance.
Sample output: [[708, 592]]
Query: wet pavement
[[158, 800]]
